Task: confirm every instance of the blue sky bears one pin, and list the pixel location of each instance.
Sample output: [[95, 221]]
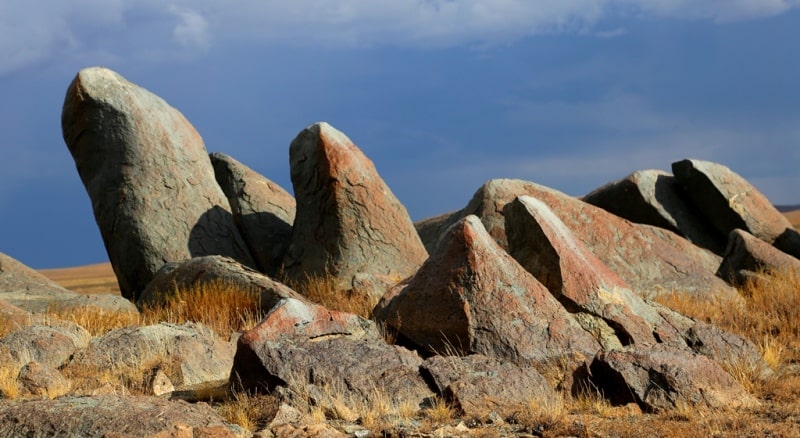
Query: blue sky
[[441, 95]]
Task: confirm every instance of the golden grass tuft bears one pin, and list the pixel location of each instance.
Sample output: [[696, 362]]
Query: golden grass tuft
[[9, 385], [95, 320], [252, 412], [323, 291]]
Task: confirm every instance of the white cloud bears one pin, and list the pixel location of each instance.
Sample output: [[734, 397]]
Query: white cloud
[[35, 31]]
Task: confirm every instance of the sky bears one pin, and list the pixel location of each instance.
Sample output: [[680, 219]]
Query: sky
[[442, 95]]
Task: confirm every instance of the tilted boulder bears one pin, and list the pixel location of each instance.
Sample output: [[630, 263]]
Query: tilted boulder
[[728, 201], [662, 378], [471, 296], [747, 255], [546, 248], [262, 210], [647, 258], [320, 352], [189, 354], [349, 225], [113, 416], [208, 270], [654, 197], [480, 385], [149, 177]]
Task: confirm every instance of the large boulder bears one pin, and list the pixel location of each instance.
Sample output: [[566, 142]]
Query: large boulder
[[471, 296], [728, 201], [263, 210], [113, 416], [546, 248], [149, 177], [747, 255], [208, 270], [51, 346], [323, 353], [480, 386], [655, 197], [662, 378], [349, 225], [649, 259]]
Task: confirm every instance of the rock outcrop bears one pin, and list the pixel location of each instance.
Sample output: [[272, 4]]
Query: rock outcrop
[[349, 225], [471, 296], [747, 255], [149, 177], [51, 346], [262, 210]]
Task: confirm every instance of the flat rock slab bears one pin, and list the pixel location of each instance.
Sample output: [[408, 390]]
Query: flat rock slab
[[262, 210], [471, 296], [662, 378], [315, 351], [649, 259], [654, 197], [113, 416], [149, 177], [747, 255], [480, 385], [349, 225]]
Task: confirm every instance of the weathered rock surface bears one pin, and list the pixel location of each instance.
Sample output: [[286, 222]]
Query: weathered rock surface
[[315, 351], [480, 385], [38, 380], [471, 296], [348, 221], [647, 258], [51, 346], [654, 197], [262, 210], [728, 201], [113, 416], [546, 248], [661, 378], [189, 354], [149, 177], [209, 269], [747, 255]]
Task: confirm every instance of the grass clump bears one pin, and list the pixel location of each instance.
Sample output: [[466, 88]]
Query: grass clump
[[324, 291]]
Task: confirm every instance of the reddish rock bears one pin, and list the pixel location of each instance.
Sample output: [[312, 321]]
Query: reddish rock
[[728, 201], [38, 380], [546, 248], [471, 296], [262, 210], [323, 353], [654, 197], [348, 221], [50, 346], [747, 255], [207, 270], [647, 258], [479, 385], [149, 177], [661, 378]]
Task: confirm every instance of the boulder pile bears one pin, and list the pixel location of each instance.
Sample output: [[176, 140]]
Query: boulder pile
[[479, 305]]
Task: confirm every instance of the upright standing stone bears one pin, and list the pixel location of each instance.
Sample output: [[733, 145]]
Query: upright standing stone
[[349, 225], [149, 177]]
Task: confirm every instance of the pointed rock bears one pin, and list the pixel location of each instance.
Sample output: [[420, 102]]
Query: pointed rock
[[728, 200], [263, 211], [654, 197], [648, 259], [747, 255], [546, 248], [323, 353], [662, 378], [470, 296], [349, 224], [149, 177]]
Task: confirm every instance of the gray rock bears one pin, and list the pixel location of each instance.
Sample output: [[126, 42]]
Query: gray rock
[[113, 416], [189, 354], [728, 201], [50, 346], [348, 221], [319, 352], [43, 380], [471, 296], [747, 255], [149, 177], [263, 211], [209, 269], [654, 197]]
